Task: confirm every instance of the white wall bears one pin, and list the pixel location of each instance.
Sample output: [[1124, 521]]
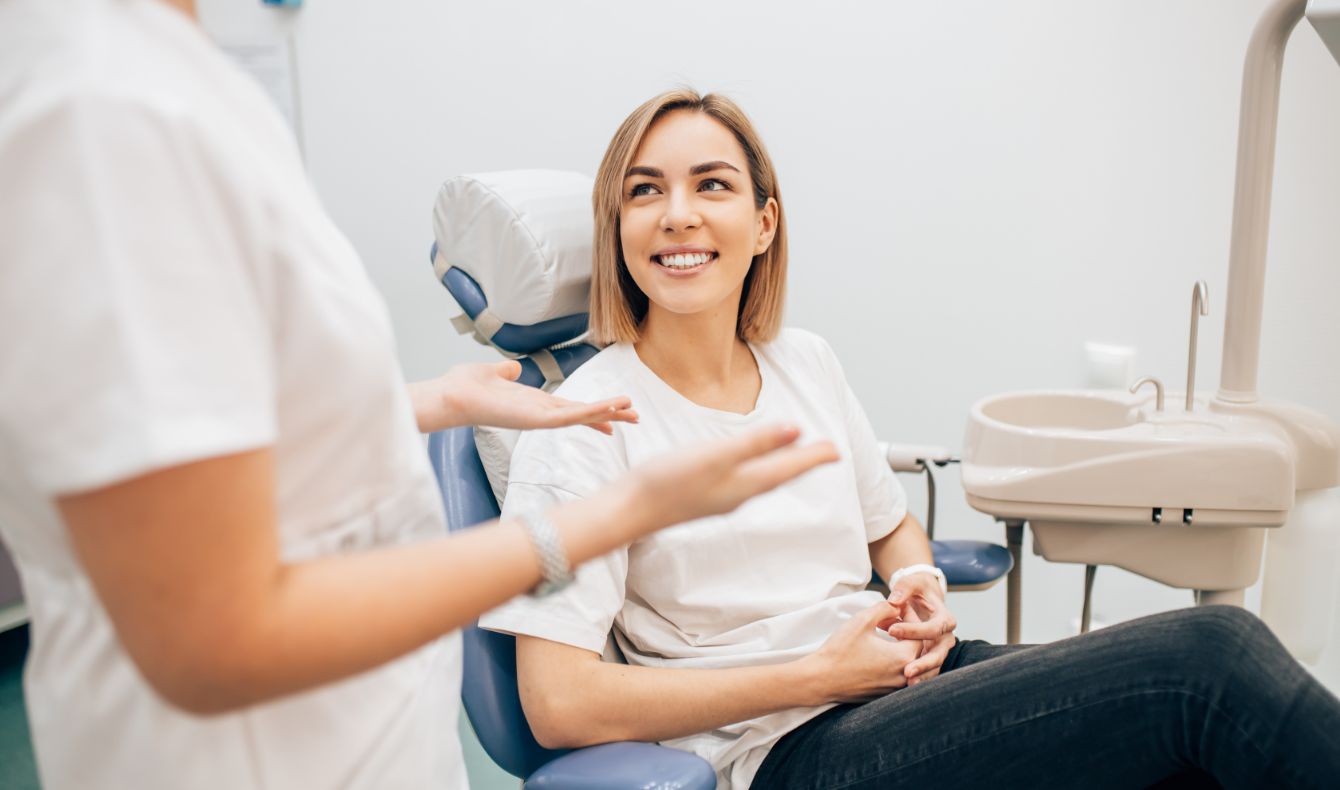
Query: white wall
[[974, 189]]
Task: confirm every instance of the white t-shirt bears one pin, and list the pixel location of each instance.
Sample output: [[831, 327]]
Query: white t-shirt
[[173, 291], [765, 584]]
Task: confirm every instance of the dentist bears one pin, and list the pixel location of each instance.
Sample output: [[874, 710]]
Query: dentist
[[211, 474]]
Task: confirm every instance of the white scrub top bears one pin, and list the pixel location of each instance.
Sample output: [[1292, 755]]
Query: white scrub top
[[172, 290]]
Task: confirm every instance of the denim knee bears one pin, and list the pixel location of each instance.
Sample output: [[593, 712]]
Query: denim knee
[[1219, 635]]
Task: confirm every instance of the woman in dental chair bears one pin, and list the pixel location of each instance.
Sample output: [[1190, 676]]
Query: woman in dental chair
[[750, 638]]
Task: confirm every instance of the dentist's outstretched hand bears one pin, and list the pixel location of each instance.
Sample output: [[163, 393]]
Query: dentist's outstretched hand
[[717, 477], [488, 393]]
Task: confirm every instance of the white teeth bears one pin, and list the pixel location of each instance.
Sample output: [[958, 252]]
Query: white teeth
[[685, 261]]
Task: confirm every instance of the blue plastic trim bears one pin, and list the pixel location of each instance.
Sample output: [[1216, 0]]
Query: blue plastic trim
[[516, 338], [620, 766], [568, 359]]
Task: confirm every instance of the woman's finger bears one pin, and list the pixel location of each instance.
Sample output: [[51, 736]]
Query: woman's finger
[[930, 660], [934, 628], [874, 617]]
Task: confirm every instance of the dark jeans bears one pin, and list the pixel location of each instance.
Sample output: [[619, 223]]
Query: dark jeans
[[1183, 699]]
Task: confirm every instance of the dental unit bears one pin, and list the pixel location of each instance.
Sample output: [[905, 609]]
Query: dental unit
[[1187, 496]]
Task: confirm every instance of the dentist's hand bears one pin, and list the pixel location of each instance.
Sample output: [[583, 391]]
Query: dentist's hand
[[488, 394], [925, 617], [858, 664], [717, 477]]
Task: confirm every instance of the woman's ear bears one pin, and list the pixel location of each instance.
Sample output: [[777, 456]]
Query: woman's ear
[[767, 226]]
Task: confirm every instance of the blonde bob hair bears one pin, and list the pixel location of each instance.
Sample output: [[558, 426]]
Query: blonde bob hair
[[617, 304]]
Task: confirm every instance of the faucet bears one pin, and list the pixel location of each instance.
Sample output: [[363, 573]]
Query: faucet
[[1158, 390], [1199, 306]]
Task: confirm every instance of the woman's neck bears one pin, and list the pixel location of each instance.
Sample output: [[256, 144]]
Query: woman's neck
[[700, 356]]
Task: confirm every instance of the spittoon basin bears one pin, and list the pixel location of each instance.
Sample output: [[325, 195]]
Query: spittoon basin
[[1104, 478], [1106, 457]]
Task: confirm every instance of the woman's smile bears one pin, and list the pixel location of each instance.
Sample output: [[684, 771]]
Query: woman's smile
[[684, 261]]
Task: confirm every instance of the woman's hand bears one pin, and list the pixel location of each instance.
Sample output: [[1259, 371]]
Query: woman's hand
[[926, 617], [717, 477], [488, 394], [857, 663]]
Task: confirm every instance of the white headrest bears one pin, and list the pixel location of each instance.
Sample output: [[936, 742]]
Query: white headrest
[[524, 236]]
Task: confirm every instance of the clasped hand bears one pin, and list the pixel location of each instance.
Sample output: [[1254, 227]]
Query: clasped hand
[[925, 617], [858, 664]]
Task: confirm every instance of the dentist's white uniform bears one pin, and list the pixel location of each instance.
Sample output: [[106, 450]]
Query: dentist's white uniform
[[172, 290]]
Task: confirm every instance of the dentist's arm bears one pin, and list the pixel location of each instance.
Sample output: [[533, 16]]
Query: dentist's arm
[[186, 562]]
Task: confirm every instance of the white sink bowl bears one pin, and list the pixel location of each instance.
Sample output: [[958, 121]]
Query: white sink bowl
[[1107, 457], [1078, 411], [1103, 478]]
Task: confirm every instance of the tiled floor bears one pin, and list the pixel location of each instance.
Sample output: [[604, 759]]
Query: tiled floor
[[17, 771]]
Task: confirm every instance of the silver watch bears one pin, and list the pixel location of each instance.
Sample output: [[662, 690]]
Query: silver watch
[[554, 565]]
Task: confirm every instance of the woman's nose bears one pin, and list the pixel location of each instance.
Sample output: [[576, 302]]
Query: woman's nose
[[679, 213]]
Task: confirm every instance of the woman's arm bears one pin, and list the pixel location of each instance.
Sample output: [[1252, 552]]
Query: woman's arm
[[906, 545], [186, 562], [572, 698]]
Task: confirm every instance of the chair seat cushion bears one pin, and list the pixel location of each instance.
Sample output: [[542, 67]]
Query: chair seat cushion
[[617, 766], [971, 562]]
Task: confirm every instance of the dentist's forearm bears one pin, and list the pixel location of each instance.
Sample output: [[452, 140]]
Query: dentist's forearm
[[432, 411], [186, 563], [331, 618]]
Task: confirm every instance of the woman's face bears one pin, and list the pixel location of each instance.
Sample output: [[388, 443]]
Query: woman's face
[[688, 225]]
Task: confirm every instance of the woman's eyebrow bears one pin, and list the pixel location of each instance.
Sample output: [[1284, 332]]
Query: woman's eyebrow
[[696, 170], [707, 167]]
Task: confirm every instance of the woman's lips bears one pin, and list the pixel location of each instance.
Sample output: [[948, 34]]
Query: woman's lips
[[685, 263]]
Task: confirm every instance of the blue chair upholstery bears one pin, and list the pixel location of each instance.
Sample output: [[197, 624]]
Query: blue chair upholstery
[[489, 691], [971, 564]]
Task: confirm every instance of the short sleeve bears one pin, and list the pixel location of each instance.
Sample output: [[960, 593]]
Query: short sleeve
[[548, 469], [135, 334], [883, 501]]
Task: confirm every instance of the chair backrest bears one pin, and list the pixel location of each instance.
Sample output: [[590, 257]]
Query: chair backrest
[[513, 249], [489, 690]]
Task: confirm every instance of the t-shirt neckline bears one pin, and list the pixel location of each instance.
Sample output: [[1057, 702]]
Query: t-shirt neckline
[[764, 375]]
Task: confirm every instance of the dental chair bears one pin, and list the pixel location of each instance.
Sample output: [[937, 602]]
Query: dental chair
[[514, 251]]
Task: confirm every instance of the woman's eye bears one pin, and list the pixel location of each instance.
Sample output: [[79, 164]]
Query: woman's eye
[[642, 189], [713, 185]]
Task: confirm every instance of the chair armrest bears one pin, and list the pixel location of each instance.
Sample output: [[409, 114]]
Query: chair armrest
[[912, 457], [616, 766]]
